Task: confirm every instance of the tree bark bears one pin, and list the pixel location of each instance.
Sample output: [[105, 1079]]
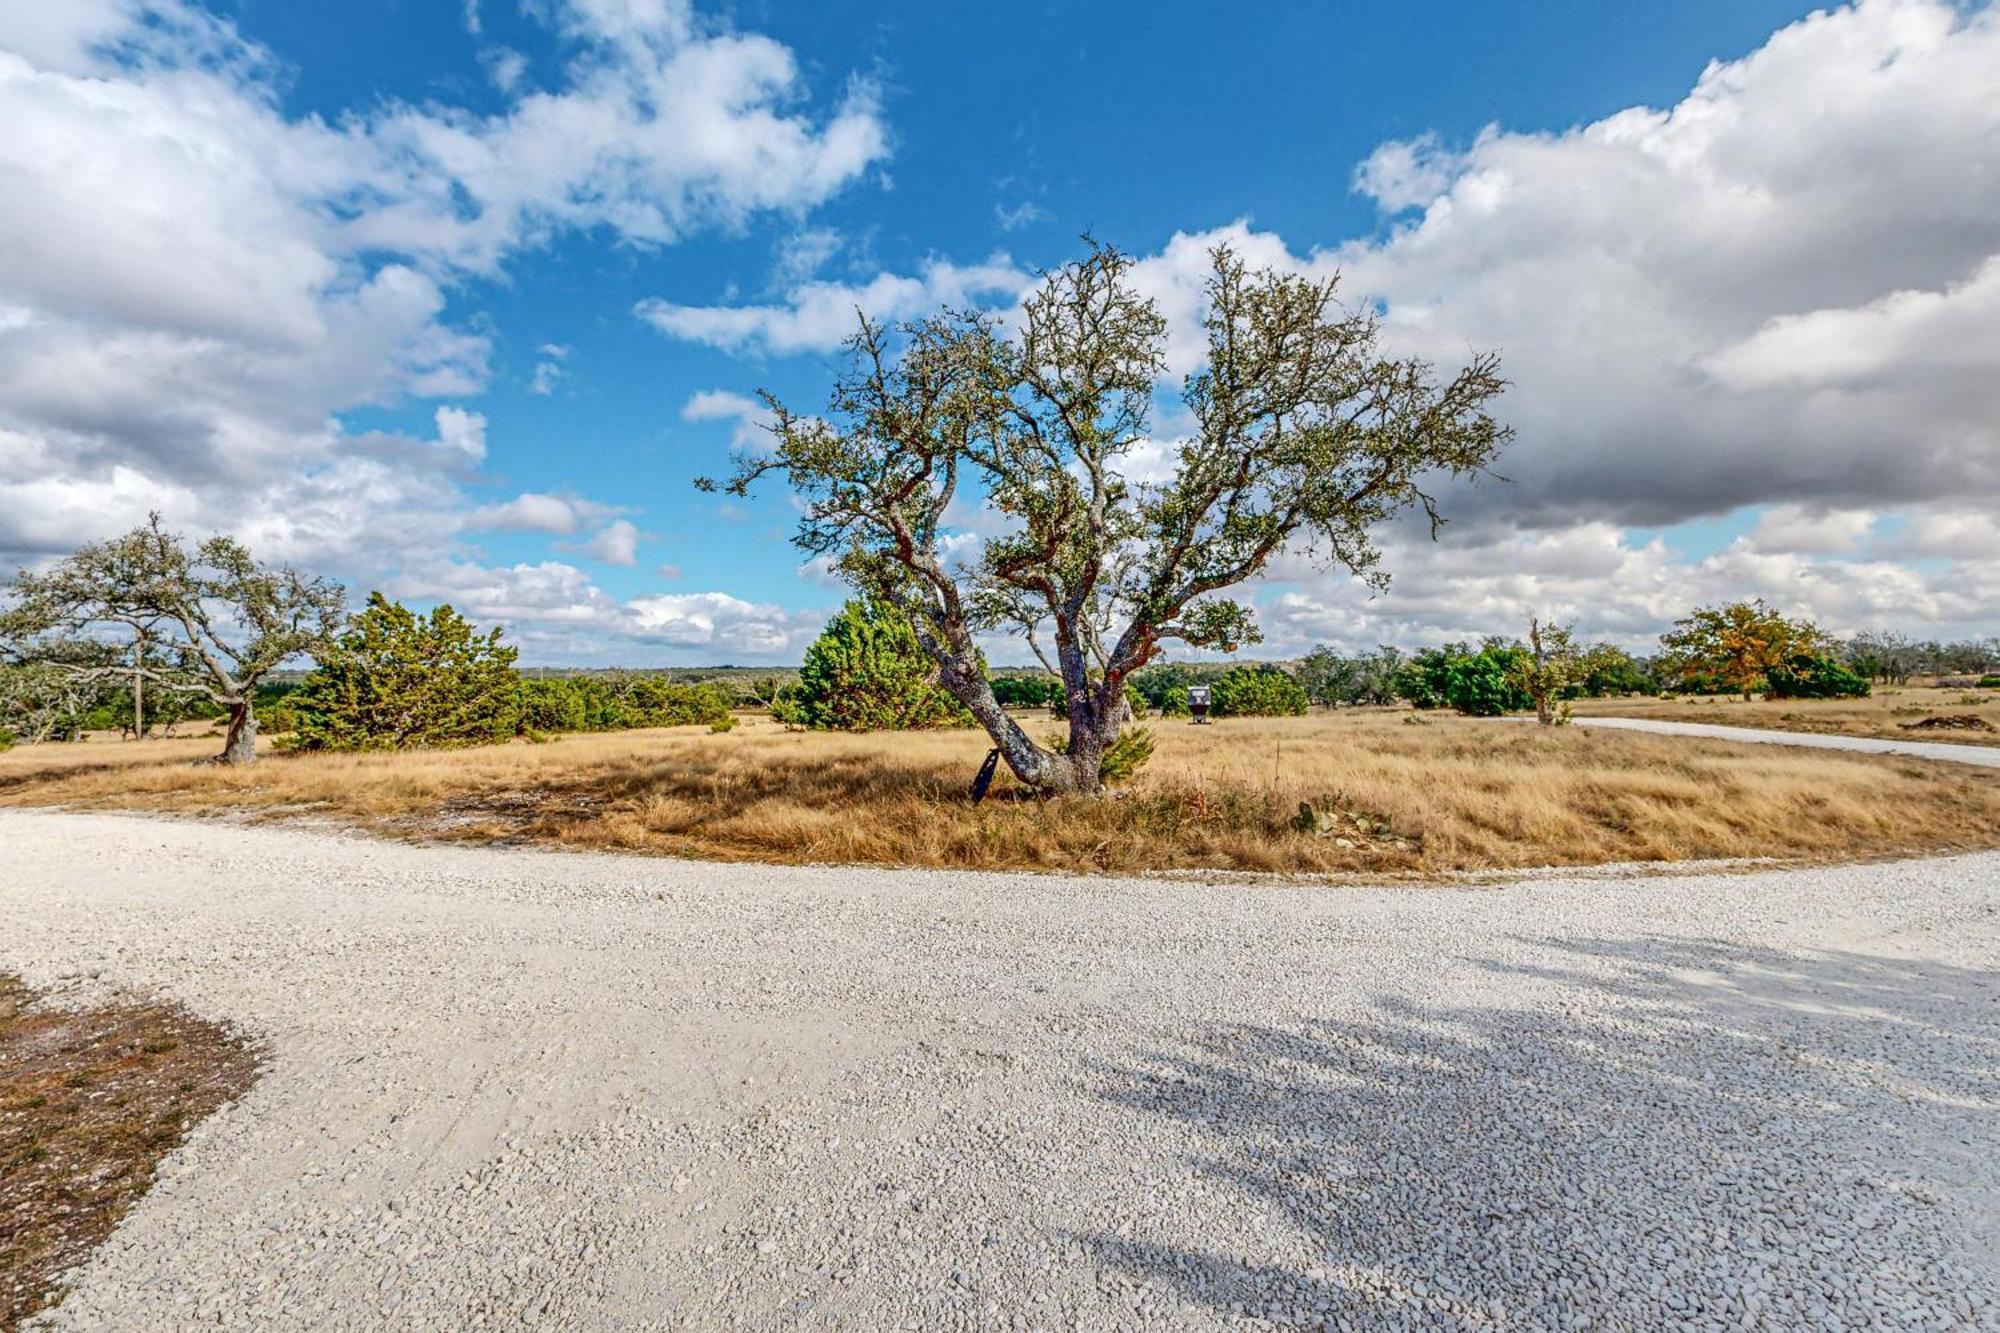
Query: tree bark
[[1047, 772], [139, 687], [239, 746]]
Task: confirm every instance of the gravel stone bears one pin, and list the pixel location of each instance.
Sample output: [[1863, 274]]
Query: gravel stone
[[516, 1088]]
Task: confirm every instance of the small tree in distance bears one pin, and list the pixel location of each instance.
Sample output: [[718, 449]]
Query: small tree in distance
[[1554, 668], [1303, 435], [1256, 691]]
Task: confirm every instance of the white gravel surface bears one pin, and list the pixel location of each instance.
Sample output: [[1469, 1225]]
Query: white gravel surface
[[513, 1088], [1985, 756]]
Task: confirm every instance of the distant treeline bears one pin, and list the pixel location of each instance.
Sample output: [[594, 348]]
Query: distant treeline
[[393, 678], [1487, 678]]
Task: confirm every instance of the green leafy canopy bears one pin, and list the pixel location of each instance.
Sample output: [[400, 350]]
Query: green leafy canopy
[[1302, 434]]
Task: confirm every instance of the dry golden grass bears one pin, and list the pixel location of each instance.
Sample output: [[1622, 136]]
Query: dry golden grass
[[1452, 794], [1886, 713]]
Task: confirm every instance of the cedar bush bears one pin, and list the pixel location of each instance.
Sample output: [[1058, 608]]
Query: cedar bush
[[867, 672], [396, 680], [1122, 759]]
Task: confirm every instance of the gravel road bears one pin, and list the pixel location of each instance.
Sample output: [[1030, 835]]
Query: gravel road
[[1985, 756], [512, 1088]]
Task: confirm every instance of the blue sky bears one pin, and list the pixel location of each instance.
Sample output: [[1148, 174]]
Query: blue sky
[[457, 299]]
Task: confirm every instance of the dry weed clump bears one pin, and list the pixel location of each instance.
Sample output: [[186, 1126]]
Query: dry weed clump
[[1383, 797]]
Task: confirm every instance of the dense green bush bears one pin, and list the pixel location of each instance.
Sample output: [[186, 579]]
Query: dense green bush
[[559, 703], [396, 680], [618, 701], [1486, 683], [1989, 682], [1025, 689], [866, 672], [1420, 681], [1122, 759], [1256, 691], [1810, 676], [1612, 671]]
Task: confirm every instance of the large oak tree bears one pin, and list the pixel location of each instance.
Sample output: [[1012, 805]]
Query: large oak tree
[[1302, 433]]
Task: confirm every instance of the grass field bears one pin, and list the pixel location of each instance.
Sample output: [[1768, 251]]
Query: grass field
[[1451, 794], [1887, 713]]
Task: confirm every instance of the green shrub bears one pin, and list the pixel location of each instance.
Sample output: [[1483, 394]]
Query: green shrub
[[1988, 682], [1485, 683], [1122, 759], [619, 701], [1810, 676], [1025, 689], [553, 705], [1420, 681], [396, 680], [1256, 691], [1488, 683], [866, 672]]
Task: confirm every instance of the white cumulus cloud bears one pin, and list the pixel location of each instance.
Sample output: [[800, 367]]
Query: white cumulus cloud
[[817, 316], [196, 284], [1782, 290]]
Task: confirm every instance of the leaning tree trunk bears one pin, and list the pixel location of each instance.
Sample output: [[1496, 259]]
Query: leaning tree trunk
[[239, 746], [1047, 772]]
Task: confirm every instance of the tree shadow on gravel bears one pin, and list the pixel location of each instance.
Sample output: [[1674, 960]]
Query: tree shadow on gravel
[[1666, 1133]]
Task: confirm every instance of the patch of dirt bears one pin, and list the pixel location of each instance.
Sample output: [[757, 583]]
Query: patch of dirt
[[1951, 722], [510, 812], [90, 1101]]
